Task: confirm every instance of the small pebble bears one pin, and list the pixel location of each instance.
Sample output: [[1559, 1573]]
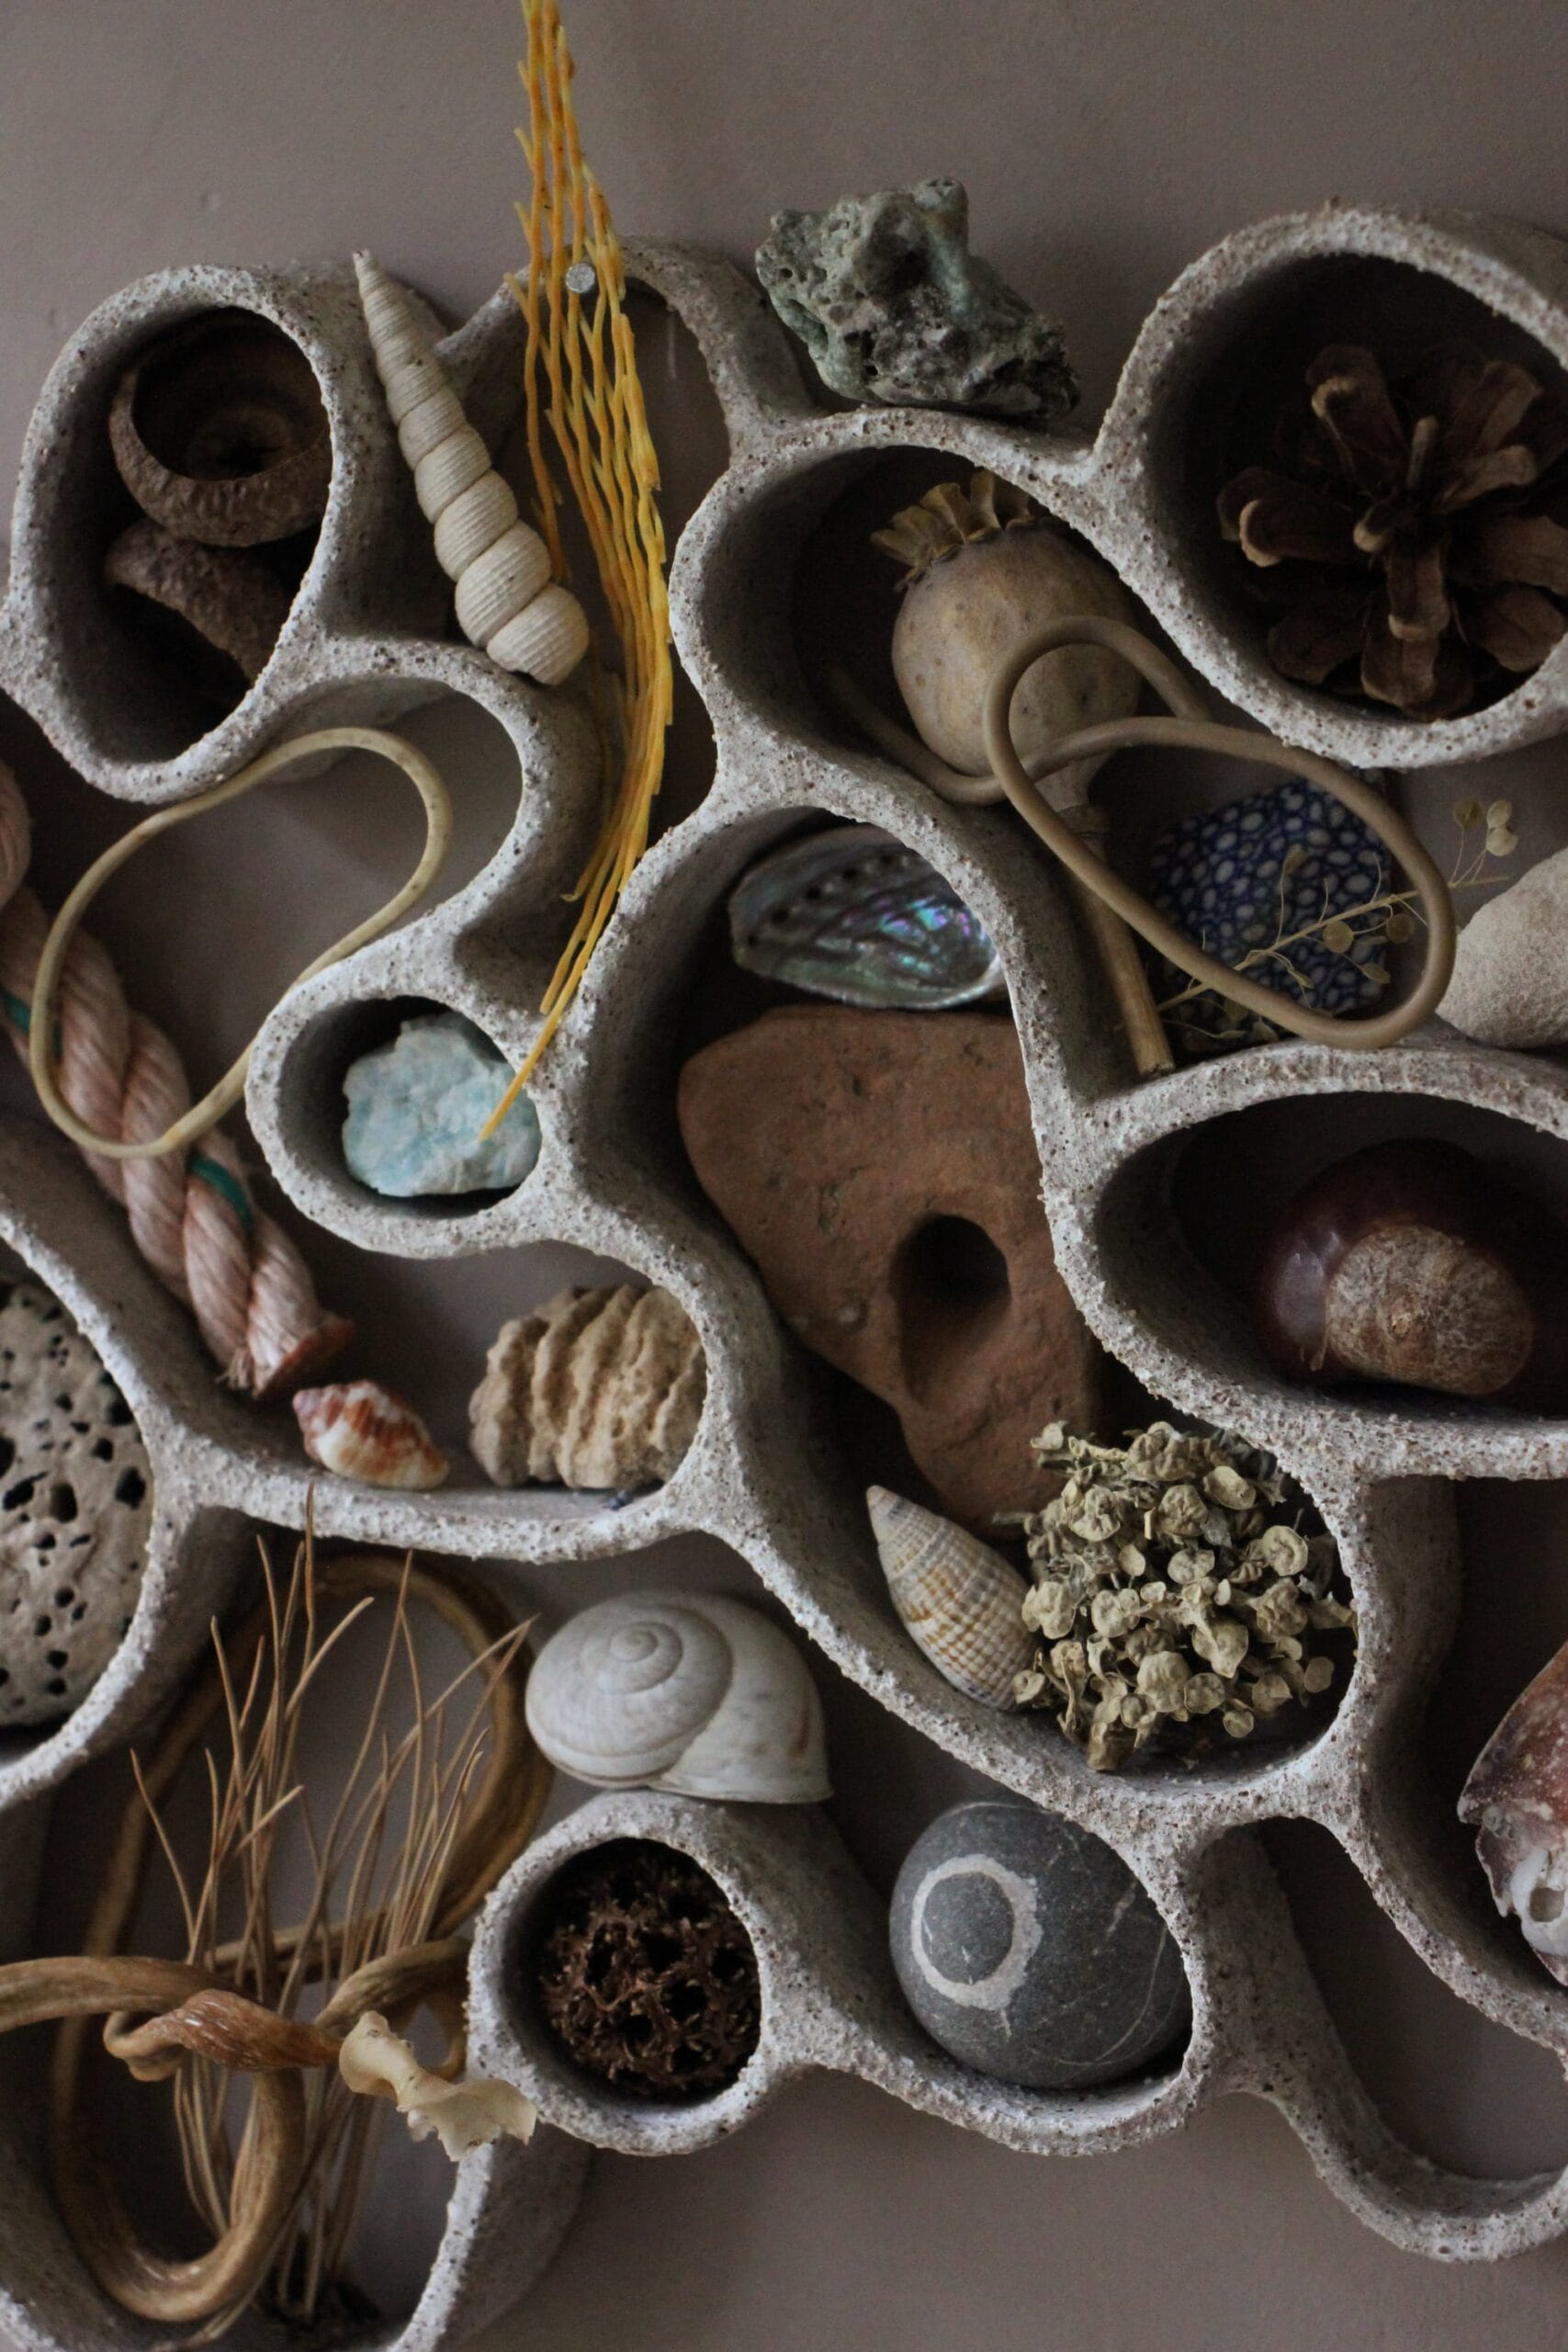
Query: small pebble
[[1029, 1950]]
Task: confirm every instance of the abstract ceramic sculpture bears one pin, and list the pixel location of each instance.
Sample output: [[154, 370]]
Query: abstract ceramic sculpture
[[598, 1388], [1029, 1950], [1411, 1262], [644, 1974], [75, 1508], [1510, 979], [681, 1690], [880, 1169], [415, 1108], [368, 624], [851, 914], [1517, 1801], [887, 297], [961, 1600]]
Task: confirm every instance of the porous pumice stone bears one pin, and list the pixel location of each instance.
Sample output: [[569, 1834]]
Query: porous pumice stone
[[1030, 1951], [417, 1108], [75, 1507], [885, 295], [1510, 975]]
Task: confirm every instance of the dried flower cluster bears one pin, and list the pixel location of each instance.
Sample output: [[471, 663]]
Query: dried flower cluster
[[1171, 1582], [1412, 535]]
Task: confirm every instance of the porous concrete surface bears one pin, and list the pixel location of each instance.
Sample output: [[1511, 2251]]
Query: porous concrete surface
[[762, 1475]]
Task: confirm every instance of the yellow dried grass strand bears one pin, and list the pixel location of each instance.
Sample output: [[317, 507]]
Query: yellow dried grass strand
[[581, 377]]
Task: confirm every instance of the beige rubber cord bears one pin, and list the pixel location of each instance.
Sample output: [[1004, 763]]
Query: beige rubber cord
[[426, 780], [1187, 733]]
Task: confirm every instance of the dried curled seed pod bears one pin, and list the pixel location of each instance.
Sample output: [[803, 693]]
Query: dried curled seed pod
[[220, 435], [1410, 1261], [644, 1974], [234, 601]]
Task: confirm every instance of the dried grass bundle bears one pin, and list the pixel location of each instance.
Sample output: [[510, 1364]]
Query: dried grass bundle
[[422, 1825], [580, 379]]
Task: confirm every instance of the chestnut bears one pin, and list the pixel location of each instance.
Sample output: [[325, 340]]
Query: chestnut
[[1411, 1262]]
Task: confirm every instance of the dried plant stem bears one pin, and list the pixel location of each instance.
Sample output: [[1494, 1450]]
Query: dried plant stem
[[379, 1920], [580, 376]]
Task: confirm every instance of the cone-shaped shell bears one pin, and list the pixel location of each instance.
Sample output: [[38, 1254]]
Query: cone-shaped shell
[[961, 1602], [680, 1691], [1516, 1800], [359, 1430], [506, 600]]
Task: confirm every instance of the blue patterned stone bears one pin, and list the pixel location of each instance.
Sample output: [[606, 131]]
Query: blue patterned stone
[[415, 1109], [1216, 876]]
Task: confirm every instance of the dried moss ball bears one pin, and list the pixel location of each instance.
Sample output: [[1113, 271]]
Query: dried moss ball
[[644, 1974]]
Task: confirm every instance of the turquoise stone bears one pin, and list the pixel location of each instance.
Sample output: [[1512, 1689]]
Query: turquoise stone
[[415, 1109]]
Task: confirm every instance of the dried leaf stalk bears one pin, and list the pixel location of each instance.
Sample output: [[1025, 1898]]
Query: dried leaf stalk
[[422, 1826], [580, 376]]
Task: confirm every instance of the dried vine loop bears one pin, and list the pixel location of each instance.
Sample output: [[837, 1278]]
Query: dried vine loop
[[205, 1114], [1202, 734], [195, 2013]]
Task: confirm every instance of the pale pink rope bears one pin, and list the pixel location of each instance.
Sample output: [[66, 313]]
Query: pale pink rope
[[191, 1212]]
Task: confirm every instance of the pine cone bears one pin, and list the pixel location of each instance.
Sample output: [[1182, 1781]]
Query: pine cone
[[1420, 532]]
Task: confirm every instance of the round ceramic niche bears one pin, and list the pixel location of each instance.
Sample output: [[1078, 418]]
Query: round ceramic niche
[[396, 2238], [426, 1325], [312, 1110], [845, 593], [143, 682], [1214, 410], [609, 1955], [1180, 1226]]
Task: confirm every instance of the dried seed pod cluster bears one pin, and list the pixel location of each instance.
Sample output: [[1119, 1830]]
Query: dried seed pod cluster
[[1173, 1583], [219, 433]]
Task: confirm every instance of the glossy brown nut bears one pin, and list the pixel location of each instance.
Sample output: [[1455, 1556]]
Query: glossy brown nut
[[1409, 1262]]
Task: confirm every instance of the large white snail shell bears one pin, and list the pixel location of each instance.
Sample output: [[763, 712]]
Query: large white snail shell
[[680, 1691], [963, 1603], [506, 600]]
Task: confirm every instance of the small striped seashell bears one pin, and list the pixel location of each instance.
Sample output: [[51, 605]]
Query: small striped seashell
[[506, 600], [963, 1603], [359, 1430]]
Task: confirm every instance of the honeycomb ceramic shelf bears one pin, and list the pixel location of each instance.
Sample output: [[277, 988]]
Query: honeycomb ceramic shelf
[[762, 1475]]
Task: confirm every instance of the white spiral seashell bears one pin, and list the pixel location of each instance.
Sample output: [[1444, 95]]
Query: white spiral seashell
[[681, 1690], [963, 1603], [507, 602]]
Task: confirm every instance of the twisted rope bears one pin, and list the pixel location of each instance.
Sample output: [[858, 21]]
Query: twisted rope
[[191, 1212]]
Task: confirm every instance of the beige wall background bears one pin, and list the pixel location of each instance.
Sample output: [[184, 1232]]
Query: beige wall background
[[1105, 144]]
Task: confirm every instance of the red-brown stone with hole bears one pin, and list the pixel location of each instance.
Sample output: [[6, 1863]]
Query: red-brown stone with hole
[[881, 1171]]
